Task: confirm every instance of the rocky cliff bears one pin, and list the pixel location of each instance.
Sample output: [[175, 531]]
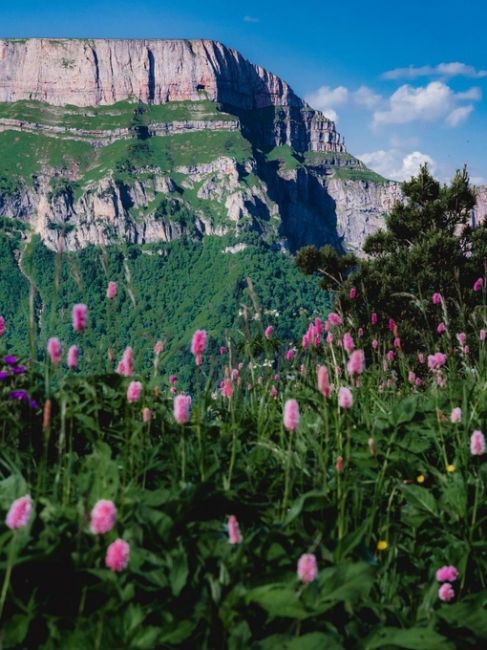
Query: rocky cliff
[[150, 140]]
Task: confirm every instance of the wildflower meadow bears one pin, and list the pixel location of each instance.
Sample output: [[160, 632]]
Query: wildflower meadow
[[327, 492]]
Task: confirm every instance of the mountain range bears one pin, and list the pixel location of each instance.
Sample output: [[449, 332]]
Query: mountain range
[[124, 149]]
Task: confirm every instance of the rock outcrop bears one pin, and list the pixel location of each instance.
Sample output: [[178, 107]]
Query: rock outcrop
[[101, 72]]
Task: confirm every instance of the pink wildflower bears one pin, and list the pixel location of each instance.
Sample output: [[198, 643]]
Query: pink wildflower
[[291, 415], [436, 298], [374, 319], [391, 324], [456, 415], [353, 293], [390, 356], [477, 443], [307, 568], [447, 574], [478, 284], [103, 517], [172, 379], [269, 330], [146, 415], [117, 556], [290, 354], [112, 290], [126, 364], [73, 356], [80, 317], [421, 358], [54, 350], [19, 513], [198, 345], [446, 592], [158, 347], [274, 392], [345, 398], [356, 363], [323, 380], [334, 318], [2, 325], [222, 349], [360, 332], [441, 329], [339, 465], [397, 343], [348, 343], [234, 535], [461, 338], [411, 377], [182, 406], [435, 361], [482, 335], [134, 391], [227, 388], [375, 344]]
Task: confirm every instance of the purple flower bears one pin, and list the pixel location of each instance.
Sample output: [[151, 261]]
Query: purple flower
[[10, 360], [33, 404], [3, 375], [19, 370], [19, 394]]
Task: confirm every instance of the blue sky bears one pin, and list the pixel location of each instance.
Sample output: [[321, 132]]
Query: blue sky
[[385, 69]]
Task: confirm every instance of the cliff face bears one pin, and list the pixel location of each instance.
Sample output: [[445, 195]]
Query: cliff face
[[103, 72], [150, 140]]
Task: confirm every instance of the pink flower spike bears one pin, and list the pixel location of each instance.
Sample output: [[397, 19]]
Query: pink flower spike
[[222, 349], [441, 329], [323, 380], [461, 338], [54, 350], [73, 357], [134, 391], [291, 415], [348, 343], [19, 513], [478, 284], [345, 398], [446, 593], [112, 290], [234, 535], [2, 325], [117, 556], [334, 319], [146, 415], [80, 317], [182, 406], [269, 330], [198, 345], [375, 344], [307, 568], [103, 517], [339, 465], [456, 415], [126, 364], [374, 319], [447, 574], [477, 443], [356, 363], [158, 347], [353, 293], [227, 388], [482, 335], [436, 298]]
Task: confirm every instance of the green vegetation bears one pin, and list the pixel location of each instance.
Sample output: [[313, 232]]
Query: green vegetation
[[359, 174], [285, 156], [165, 291], [428, 247], [114, 116]]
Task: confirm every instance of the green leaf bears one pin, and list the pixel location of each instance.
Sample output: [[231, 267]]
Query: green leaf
[[312, 641], [420, 498], [471, 613], [278, 600], [416, 638], [178, 572], [311, 501]]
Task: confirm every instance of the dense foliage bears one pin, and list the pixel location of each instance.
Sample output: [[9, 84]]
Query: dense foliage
[[428, 245], [383, 492]]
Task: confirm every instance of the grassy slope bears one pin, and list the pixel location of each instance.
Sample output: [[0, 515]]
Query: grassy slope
[[176, 287]]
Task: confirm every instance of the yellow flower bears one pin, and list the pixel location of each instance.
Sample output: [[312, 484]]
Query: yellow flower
[[382, 545], [450, 468], [420, 478]]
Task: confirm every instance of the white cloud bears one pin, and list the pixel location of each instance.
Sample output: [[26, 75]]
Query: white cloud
[[458, 115], [330, 114], [395, 164], [424, 103], [366, 97], [454, 69], [326, 97], [251, 19]]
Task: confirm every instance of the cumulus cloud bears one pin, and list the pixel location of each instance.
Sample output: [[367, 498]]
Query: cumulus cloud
[[454, 69], [326, 97], [425, 103], [366, 97], [251, 19], [394, 164], [458, 115]]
